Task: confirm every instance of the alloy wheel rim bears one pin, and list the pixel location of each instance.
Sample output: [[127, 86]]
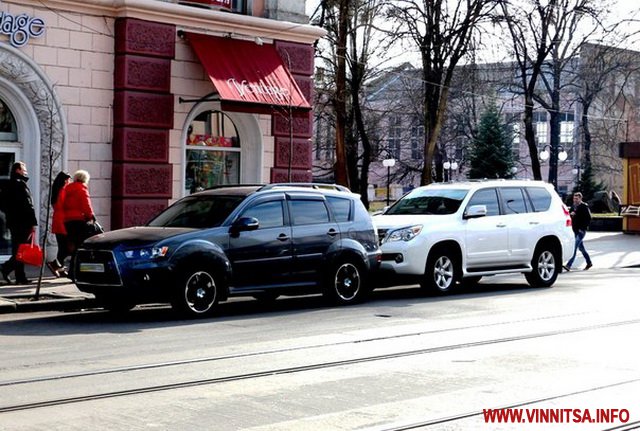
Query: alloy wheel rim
[[443, 273], [546, 265], [200, 292], [347, 281]]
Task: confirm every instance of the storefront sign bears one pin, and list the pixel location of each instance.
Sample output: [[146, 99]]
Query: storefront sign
[[277, 94], [20, 28]]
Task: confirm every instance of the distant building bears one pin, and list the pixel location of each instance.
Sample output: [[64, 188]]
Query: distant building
[[606, 77]]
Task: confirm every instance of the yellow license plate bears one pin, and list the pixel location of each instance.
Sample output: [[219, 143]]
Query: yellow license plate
[[91, 267]]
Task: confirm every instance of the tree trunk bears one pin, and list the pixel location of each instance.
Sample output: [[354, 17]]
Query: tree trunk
[[341, 173]]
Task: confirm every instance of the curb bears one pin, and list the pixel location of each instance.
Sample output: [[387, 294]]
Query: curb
[[23, 304]]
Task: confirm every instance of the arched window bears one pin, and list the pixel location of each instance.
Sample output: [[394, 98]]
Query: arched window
[[9, 153], [213, 152]]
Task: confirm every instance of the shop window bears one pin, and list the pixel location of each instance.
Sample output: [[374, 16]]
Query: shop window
[[212, 152]]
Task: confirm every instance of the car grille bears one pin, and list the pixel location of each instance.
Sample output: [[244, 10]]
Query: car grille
[[97, 267]]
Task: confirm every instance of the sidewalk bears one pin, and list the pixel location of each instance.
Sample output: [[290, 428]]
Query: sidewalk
[[607, 249], [56, 294]]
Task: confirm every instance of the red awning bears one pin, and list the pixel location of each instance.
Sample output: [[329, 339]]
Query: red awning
[[246, 73]]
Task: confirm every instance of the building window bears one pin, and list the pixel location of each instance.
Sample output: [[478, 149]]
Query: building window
[[417, 142], [395, 136], [542, 128], [567, 126], [8, 131], [212, 152]]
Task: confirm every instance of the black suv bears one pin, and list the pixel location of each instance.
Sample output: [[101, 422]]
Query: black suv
[[260, 241]]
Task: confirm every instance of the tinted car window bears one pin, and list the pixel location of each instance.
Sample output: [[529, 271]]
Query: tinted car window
[[429, 201], [487, 197], [341, 208], [308, 212], [513, 200], [197, 212], [540, 198], [269, 214]]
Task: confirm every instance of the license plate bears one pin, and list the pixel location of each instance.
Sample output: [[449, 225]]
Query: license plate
[[91, 267]]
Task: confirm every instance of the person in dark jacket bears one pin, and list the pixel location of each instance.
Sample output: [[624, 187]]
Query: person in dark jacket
[[57, 224], [21, 219], [580, 220]]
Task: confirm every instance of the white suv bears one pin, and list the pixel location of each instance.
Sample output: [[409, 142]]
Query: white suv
[[449, 233]]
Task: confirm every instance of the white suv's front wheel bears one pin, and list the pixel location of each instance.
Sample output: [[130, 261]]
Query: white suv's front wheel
[[546, 266], [442, 272]]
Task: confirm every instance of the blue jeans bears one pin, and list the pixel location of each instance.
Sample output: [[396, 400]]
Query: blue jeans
[[579, 246]]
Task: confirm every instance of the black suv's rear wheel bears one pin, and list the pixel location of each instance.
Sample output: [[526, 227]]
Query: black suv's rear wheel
[[546, 266], [345, 283], [442, 272], [196, 293]]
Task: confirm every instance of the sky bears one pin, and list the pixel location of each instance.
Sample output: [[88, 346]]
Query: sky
[[623, 9]]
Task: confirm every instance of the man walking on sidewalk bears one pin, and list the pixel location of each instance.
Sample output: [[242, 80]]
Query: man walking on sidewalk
[[21, 219], [580, 220]]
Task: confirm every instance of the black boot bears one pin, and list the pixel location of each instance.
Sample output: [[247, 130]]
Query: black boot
[[5, 274]]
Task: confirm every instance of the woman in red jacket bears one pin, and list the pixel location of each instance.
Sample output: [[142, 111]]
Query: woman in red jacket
[[78, 212], [57, 224]]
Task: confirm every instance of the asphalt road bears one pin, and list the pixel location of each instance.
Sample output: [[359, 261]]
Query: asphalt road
[[399, 361]]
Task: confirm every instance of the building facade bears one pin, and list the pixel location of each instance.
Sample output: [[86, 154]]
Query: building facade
[[156, 99]]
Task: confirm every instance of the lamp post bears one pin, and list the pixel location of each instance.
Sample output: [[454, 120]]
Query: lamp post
[[388, 163], [560, 155], [450, 166], [576, 172]]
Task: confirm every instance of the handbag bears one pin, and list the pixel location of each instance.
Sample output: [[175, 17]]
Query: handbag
[[93, 229], [30, 253]]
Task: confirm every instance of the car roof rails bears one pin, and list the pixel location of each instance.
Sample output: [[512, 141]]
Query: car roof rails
[[323, 186], [226, 186]]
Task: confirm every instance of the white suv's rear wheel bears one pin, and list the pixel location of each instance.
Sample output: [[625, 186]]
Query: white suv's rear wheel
[[546, 266], [442, 273]]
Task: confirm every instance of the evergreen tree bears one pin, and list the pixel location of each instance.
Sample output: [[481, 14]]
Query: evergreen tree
[[588, 185], [491, 154]]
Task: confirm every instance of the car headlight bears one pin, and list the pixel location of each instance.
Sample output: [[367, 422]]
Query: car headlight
[[404, 234], [146, 253]]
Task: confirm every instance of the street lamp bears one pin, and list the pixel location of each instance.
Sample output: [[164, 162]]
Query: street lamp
[[450, 166], [388, 163], [560, 155]]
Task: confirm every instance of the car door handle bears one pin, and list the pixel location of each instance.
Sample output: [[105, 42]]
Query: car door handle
[[534, 222], [332, 232], [283, 237], [501, 225]]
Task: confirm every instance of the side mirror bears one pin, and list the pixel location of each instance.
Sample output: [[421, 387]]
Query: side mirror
[[244, 224], [475, 211]]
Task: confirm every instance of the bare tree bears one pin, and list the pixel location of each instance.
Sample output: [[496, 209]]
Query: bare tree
[[352, 43], [529, 24], [442, 31]]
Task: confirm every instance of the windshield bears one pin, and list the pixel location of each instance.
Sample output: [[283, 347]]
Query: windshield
[[197, 212], [429, 201]]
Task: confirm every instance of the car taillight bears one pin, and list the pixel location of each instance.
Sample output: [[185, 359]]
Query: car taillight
[[567, 215]]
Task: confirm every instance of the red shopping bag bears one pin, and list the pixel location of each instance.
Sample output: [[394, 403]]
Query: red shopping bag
[[31, 254]]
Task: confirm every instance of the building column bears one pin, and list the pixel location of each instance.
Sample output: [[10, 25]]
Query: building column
[[143, 117], [292, 129]]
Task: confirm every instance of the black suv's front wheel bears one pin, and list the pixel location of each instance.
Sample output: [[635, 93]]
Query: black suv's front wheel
[[197, 292], [345, 283]]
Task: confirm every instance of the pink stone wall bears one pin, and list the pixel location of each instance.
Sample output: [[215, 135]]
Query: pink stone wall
[[143, 117], [299, 59]]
